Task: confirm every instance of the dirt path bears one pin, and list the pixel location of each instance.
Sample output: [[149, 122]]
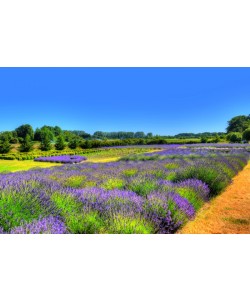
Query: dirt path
[[227, 213]]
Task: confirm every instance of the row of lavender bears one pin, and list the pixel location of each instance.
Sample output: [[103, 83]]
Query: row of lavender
[[156, 195], [64, 159]]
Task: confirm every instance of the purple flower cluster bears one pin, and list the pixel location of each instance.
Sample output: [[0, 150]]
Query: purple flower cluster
[[198, 186], [63, 159], [109, 202], [163, 192], [163, 200], [49, 225]]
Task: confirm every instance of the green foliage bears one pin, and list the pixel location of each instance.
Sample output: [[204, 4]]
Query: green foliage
[[73, 143], [216, 139], [38, 135], [171, 166], [75, 181], [45, 140], [126, 225], [77, 221], [85, 223], [234, 137], [238, 124], [10, 136], [130, 172], [204, 139], [246, 135], [113, 183], [212, 176], [4, 147], [26, 144], [60, 144], [142, 187], [192, 197], [24, 130], [18, 207]]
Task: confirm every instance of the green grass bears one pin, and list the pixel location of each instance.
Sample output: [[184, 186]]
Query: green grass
[[7, 166]]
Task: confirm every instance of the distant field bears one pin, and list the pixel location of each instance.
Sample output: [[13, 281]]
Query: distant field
[[101, 157]]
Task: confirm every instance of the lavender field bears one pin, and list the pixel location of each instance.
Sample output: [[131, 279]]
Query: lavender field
[[143, 193]]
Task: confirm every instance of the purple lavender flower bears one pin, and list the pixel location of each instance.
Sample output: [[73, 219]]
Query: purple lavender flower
[[181, 203], [64, 159], [48, 225], [198, 186]]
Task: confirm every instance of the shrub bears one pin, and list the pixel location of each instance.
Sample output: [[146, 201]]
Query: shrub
[[125, 225], [142, 186], [113, 183], [234, 137], [204, 139], [214, 177], [246, 135]]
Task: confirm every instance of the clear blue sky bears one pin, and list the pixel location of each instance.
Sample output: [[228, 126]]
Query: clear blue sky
[[158, 100]]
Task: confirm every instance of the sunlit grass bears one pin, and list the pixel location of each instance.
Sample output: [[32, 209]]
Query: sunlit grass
[[16, 165]]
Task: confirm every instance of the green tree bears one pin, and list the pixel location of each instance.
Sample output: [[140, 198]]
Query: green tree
[[73, 143], [26, 144], [57, 131], [50, 131], [139, 135], [99, 135], [204, 139], [234, 137], [45, 140], [216, 139], [238, 124], [246, 135], [38, 135], [86, 144], [4, 146], [60, 144], [23, 130]]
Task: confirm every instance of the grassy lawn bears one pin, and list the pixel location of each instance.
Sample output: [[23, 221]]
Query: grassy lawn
[[96, 157], [15, 165]]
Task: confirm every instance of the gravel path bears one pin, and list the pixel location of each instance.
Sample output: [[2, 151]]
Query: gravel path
[[227, 213]]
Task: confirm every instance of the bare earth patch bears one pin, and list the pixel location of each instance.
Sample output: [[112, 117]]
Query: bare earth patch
[[227, 213]]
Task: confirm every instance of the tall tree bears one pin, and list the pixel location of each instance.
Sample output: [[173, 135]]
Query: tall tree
[[26, 144], [45, 140], [238, 124], [23, 130], [60, 144], [4, 146]]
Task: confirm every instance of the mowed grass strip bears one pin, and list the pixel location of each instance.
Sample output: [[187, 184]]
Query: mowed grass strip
[[16, 165], [227, 213]]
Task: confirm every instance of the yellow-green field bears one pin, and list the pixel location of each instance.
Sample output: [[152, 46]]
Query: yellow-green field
[[16, 165], [97, 157]]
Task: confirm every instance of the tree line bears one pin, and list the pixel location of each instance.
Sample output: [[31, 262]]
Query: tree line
[[238, 130]]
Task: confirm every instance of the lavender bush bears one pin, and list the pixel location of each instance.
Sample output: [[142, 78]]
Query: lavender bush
[[156, 195], [63, 159]]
